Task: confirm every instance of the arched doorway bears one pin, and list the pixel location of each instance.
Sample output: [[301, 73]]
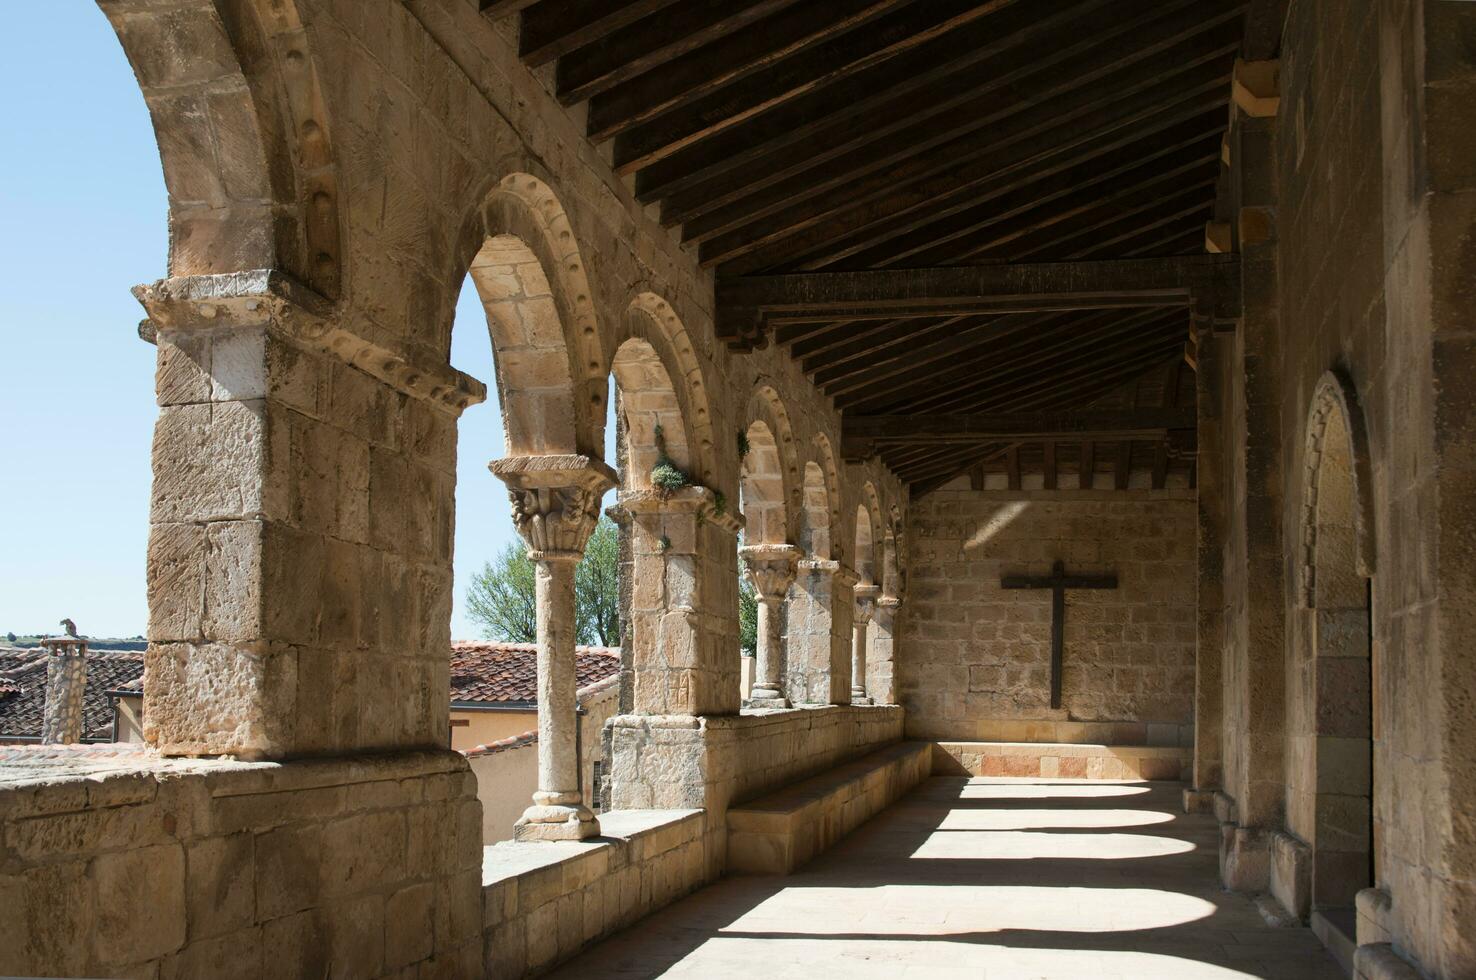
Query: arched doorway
[[1331, 784]]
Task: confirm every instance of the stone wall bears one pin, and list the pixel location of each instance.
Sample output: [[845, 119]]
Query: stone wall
[[1368, 161], [542, 902], [678, 762], [128, 865], [973, 656]]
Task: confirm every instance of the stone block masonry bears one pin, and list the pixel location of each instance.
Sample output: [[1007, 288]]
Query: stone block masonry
[[973, 655], [128, 865]]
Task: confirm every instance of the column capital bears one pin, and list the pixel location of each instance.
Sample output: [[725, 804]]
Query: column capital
[[699, 501], [866, 602], [889, 602], [843, 576], [771, 568], [555, 501], [271, 300]]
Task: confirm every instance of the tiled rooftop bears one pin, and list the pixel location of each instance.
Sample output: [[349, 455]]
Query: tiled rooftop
[[23, 689], [507, 673]]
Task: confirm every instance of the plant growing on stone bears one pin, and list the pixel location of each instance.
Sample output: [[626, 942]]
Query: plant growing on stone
[[743, 446], [665, 476]]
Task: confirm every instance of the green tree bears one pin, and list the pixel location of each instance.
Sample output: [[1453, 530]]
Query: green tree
[[501, 599], [597, 587], [747, 613], [502, 596]]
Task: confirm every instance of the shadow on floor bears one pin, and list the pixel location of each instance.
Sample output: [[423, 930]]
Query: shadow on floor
[[981, 877]]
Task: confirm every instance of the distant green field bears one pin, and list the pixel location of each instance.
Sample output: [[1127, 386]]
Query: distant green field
[[97, 642]]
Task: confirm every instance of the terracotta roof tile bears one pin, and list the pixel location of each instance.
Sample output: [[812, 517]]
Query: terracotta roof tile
[[507, 673], [23, 690]]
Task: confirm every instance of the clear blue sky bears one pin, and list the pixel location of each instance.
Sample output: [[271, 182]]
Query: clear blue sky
[[84, 212]]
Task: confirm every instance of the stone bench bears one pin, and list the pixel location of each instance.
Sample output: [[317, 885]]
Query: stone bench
[[543, 902], [777, 833], [1061, 760]]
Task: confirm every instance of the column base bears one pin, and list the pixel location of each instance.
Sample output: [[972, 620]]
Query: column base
[[556, 822], [1199, 801], [763, 701], [861, 699]]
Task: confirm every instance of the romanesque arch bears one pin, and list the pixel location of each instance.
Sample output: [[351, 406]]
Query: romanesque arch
[[825, 459], [653, 325], [765, 406], [540, 312], [1330, 803], [761, 485], [243, 136], [815, 522]]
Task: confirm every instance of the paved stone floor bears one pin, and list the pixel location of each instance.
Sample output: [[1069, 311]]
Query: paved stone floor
[[988, 877]]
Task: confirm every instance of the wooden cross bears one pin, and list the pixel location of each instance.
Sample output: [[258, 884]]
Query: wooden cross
[[1058, 582]]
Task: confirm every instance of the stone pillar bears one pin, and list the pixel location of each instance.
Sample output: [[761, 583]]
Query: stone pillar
[[299, 562], [1210, 535], [818, 668], [1254, 681], [555, 504], [684, 628], [66, 684], [882, 670], [771, 569], [865, 596]]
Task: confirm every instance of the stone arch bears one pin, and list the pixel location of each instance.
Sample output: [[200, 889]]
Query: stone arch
[[826, 459], [761, 484], [651, 321], [815, 514], [870, 540], [1333, 681], [546, 339], [1336, 399], [651, 412], [243, 135], [765, 405]]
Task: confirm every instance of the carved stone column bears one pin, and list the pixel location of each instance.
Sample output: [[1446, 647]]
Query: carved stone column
[[555, 504], [818, 667], [300, 526], [866, 596], [771, 569], [882, 686], [66, 683], [683, 629]]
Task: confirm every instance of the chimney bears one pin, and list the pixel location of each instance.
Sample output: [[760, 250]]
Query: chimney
[[66, 682]]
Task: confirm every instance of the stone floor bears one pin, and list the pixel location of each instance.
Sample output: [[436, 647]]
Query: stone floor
[[985, 877]]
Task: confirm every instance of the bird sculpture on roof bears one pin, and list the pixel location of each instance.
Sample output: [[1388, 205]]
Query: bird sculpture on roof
[[70, 627]]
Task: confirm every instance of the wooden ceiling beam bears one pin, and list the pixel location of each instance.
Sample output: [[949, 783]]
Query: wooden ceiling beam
[[978, 145], [919, 85], [969, 389], [752, 49], [861, 435], [1071, 199], [1071, 377], [497, 9], [845, 55], [555, 27], [999, 351], [653, 41], [745, 305]]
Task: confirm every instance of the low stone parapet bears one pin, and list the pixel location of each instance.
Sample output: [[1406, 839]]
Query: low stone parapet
[[543, 902], [1061, 760], [782, 831], [122, 863]]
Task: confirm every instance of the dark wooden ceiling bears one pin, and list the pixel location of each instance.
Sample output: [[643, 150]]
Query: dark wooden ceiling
[[817, 136]]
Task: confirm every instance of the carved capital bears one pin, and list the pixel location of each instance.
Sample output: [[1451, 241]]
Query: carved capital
[[866, 601], [770, 568], [555, 501], [274, 301]]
